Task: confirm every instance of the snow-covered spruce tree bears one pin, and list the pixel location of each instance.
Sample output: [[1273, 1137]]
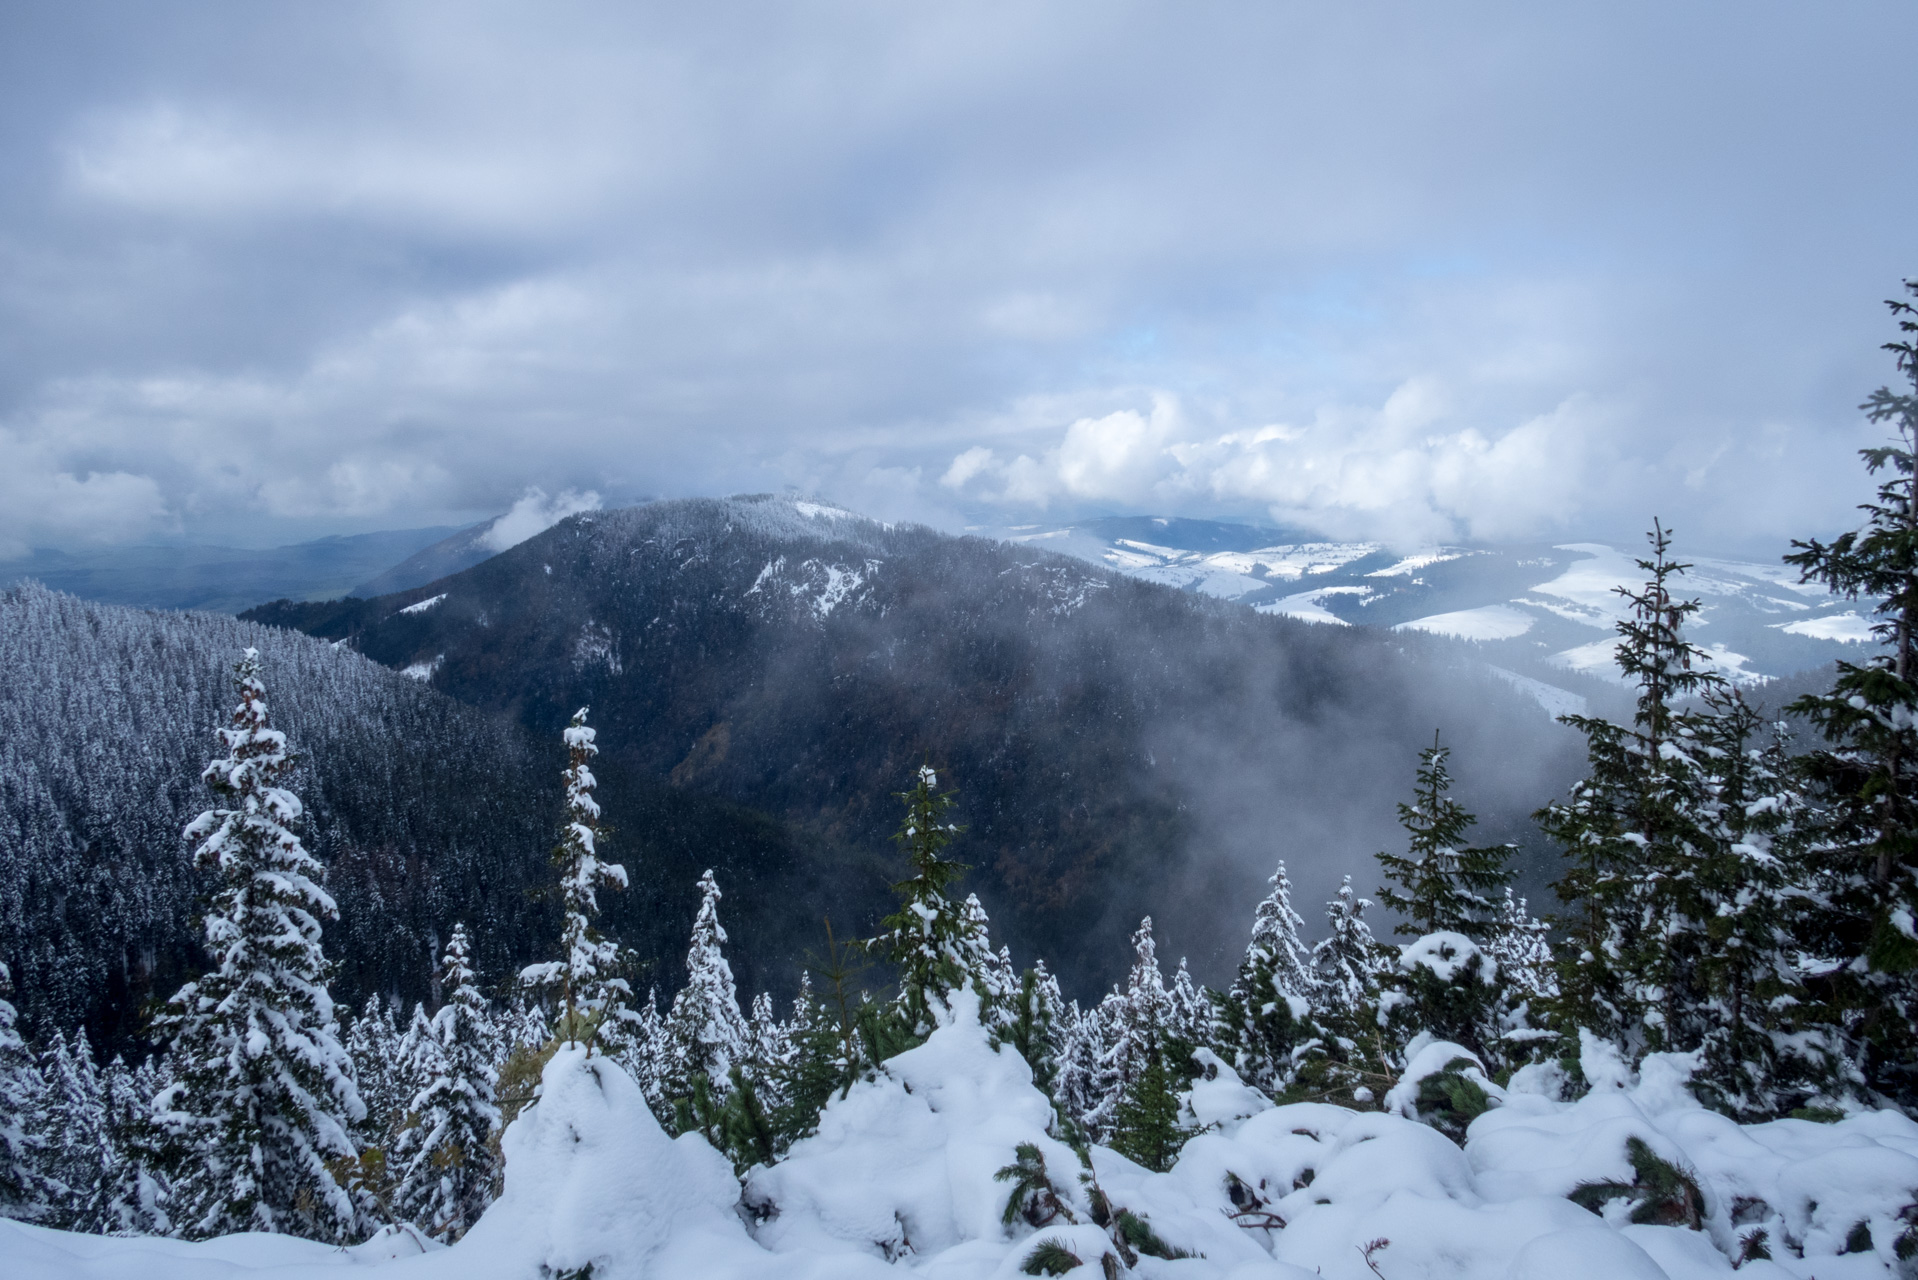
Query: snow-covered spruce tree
[[262, 1098], [1521, 943], [645, 1054], [1628, 967], [1346, 965], [373, 1046], [1440, 883], [1083, 1040], [585, 980], [132, 1197], [929, 939], [1447, 987], [1762, 1053], [1032, 1026], [1145, 1126], [706, 1034], [76, 1127], [1864, 854], [1265, 1015], [443, 1156], [25, 1190], [1137, 1031]]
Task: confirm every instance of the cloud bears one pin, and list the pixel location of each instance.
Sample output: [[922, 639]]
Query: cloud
[[46, 500], [535, 513], [1501, 269]]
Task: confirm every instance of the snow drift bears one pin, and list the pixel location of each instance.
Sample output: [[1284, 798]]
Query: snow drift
[[901, 1180]]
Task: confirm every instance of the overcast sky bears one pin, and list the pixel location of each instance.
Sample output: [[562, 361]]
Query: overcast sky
[[1419, 271]]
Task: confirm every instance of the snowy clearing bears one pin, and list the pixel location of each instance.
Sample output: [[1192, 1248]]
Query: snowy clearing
[[1848, 627], [1556, 701], [1305, 605], [900, 1180], [1413, 563], [1488, 622], [424, 605], [423, 670]]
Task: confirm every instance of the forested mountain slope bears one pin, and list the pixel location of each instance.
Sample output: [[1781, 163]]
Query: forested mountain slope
[[1120, 747], [426, 812]]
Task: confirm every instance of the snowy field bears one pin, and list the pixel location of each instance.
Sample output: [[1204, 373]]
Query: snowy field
[[900, 1181]]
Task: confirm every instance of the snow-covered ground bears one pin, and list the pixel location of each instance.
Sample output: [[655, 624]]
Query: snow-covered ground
[[1537, 610], [900, 1181]]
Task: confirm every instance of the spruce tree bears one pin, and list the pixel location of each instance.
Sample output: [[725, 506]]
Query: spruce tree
[[1346, 964], [373, 1046], [1521, 944], [1761, 1054], [1137, 1023], [591, 994], [1865, 776], [1145, 1125], [25, 1190], [1265, 1014], [706, 1032], [133, 1196], [443, 1158], [928, 940], [1628, 967], [262, 1098], [1032, 1026], [77, 1137], [1440, 884]]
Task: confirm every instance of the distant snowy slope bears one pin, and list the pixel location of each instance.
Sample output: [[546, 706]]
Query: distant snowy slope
[[1542, 609]]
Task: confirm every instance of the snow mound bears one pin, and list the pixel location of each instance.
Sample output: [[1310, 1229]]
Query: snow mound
[[900, 1180]]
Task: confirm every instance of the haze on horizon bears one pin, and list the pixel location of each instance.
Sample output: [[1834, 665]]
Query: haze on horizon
[[272, 271]]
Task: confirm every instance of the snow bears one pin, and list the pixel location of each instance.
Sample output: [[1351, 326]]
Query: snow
[[424, 605], [1848, 627], [899, 1181], [1488, 622], [1413, 563], [1229, 575], [1305, 605], [1556, 701], [423, 670], [819, 511]]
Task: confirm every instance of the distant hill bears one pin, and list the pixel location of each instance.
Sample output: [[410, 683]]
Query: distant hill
[[425, 811], [1120, 747], [219, 579], [460, 550]]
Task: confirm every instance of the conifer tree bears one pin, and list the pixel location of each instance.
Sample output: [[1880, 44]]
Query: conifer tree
[[1145, 1123], [1521, 944], [443, 1158], [645, 1054], [132, 1197], [929, 939], [25, 1191], [76, 1127], [591, 994], [1761, 1055], [1628, 968], [1082, 1047], [1137, 1023], [1265, 1014], [1032, 1026], [706, 1031], [1865, 777], [373, 1046], [262, 1098], [1347, 964], [1439, 884]]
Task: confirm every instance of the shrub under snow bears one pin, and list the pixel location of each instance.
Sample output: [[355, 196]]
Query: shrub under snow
[[904, 1178]]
